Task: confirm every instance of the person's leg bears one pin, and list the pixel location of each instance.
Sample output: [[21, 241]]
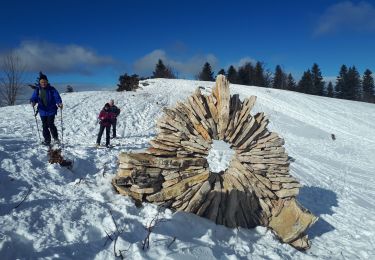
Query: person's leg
[[107, 135], [46, 133], [100, 134], [52, 127], [114, 129]]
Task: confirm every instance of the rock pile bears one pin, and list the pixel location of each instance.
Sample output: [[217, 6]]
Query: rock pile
[[256, 189]]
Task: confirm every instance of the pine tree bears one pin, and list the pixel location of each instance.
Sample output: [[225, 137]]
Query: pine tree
[[352, 88], [161, 71], [69, 89], [206, 74], [330, 89], [221, 72], [291, 84], [127, 82], [232, 75], [368, 86], [318, 83], [341, 82], [279, 80], [260, 77], [244, 74], [306, 83]]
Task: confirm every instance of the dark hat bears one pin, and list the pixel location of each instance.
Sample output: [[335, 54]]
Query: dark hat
[[42, 76]]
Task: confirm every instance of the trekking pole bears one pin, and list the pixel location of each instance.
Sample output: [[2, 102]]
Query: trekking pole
[[36, 121], [62, 130]]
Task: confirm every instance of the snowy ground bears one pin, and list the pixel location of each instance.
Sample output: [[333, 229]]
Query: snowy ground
[[66, 214]]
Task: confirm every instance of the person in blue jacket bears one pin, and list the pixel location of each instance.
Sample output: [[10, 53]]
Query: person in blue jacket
[[48, 100]]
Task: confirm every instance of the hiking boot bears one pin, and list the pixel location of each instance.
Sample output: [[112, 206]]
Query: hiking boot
[[97, 145]]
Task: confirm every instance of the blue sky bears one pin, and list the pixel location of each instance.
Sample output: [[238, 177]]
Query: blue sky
[[91, 43]]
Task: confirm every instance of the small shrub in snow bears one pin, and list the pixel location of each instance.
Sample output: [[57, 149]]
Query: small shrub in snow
[[69, 89], [128, 83]]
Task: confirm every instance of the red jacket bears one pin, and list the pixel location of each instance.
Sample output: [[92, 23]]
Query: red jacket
[[106, 117]]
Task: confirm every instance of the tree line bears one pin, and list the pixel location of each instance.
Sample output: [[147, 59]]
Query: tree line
[[348, 84]]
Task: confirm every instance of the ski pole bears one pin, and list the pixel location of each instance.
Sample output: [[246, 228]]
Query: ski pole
[[36, 121], [62, 129]]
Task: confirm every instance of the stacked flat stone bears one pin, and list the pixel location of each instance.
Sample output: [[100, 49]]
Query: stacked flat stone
[[256, 189]]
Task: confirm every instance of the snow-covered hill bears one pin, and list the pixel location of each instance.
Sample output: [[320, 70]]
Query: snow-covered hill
[[67, 213]]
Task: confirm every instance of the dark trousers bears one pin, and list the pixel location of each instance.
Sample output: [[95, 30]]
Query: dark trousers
[[49, 128], [114, 128], [107, 132]]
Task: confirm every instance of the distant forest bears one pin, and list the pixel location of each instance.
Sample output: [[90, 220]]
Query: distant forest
[[348, 85]]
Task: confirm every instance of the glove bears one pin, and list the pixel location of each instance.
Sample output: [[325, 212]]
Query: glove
[[33, 104], [60, 105]]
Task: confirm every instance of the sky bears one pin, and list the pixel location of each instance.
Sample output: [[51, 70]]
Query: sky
[[91, 43]]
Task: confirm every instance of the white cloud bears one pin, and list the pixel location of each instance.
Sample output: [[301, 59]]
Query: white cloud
[[244, 60], [146, 64], [53, 58], [187, 68], [346, 16]]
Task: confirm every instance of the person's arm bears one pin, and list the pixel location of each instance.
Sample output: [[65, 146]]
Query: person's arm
[[118, 112], [101, 115], [57, 99], [114, 116]]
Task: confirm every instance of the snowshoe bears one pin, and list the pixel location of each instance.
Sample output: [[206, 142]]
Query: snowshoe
[[98, 146], [66, 163]]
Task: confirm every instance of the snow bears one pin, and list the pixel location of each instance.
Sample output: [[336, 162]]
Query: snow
[[219, 156], [66, 214]]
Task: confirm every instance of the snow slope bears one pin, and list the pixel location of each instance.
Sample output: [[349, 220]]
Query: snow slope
[[67, 213]]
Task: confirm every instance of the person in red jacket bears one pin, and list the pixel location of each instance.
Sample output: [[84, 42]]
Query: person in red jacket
[[105, 121]]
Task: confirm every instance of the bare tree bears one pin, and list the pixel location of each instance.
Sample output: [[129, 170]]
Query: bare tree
[[11, 80]]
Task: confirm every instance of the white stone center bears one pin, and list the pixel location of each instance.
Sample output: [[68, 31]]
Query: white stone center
[[219, 156]]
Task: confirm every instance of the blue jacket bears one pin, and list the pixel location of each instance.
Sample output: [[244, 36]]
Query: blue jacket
[[53, 98]]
